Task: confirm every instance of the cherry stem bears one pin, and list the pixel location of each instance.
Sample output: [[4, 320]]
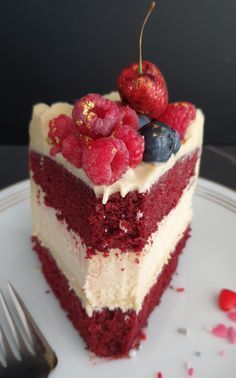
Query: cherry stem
[[149, 12]]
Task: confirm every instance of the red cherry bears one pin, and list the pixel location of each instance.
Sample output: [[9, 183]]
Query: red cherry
[[142, 85], [146, 93], [227, 299]]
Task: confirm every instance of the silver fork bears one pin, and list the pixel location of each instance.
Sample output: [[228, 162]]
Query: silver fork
[[32, 355]]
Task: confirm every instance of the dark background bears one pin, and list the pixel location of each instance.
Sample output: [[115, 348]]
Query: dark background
[[62, 49]]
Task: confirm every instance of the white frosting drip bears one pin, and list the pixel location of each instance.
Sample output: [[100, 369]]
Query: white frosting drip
[[140, 178], [117, 280]]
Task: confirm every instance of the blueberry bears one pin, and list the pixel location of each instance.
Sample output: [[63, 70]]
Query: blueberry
[[177, 141], [142, 120], [160, 141]]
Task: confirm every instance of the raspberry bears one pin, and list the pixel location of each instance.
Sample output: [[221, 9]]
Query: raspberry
[[72, 149], [59, 128], [128, 116], [95, 115], [134, 143], [178, 116], [105, 160]]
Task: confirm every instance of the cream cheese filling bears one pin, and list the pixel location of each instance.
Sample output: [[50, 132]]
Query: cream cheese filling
[[140, 178], [118, 280]]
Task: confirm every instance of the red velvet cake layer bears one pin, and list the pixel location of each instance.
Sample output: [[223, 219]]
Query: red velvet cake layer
[[115, 224], [107, 333]]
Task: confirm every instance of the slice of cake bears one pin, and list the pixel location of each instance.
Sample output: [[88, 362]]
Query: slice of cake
[[112, 182], [109, 251]]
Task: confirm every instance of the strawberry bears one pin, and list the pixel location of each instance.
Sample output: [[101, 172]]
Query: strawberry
[[141, 85], [147, 92]]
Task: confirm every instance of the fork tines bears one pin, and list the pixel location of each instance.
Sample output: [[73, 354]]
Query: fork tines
[[29, 349]]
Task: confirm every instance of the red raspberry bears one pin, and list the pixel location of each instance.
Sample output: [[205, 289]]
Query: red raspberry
[[178, 115], [105, 160], [59, 128], [134, 143], [55, 150], [95, 115], [72, 149], [128, 116]]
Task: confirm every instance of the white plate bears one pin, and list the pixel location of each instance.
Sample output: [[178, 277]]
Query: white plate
[[208, 264]]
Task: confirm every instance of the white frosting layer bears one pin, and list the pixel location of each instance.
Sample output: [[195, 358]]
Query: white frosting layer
[[117, 280], [140, 178]]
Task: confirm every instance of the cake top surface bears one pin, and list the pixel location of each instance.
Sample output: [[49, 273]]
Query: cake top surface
[[139, 178], [123, 141]]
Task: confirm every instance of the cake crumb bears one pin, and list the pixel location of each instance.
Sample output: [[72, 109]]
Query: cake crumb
[[190, 372], [122, 269], [47, 291], [183, 331], [222, 353], [231, 335], [132, 353], [139, 215], [136, 260], [232, 315], [159, 375], [180, 289], [177, 289], [220, 330]]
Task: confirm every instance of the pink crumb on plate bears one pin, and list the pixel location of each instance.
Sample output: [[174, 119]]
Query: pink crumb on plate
[[159, 375], [180, 289], [222, 353], [220, 330], [231, 335], [232, 315], [190, 372]]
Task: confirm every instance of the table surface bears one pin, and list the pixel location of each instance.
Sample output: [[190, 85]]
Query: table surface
[[218, 164]]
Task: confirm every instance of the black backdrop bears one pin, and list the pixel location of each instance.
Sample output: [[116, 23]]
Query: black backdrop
[[62, 49]]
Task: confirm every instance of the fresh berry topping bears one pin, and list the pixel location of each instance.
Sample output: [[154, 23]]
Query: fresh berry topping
[[177, 141], [59, 128], [227, 299], [105, 160], [178, 115], [160, 142], [55, 150], [143, 120], [128, 116], [134, 143], [146, 93], [95, 115], [72, 149]]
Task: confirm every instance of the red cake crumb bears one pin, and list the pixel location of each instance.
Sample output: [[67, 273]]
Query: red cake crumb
[[180, 289], [190, 372], [159, 375], [107, 333], [99, 225]]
